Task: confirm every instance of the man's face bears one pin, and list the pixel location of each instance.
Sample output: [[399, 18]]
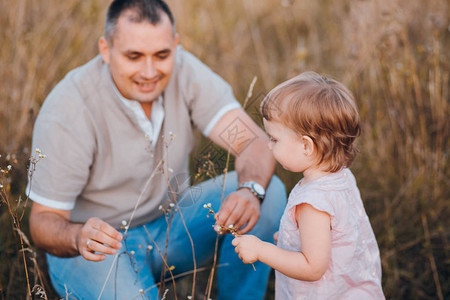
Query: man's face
[[140, 57]]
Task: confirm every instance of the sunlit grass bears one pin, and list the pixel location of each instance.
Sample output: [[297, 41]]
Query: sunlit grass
[[392, 54]]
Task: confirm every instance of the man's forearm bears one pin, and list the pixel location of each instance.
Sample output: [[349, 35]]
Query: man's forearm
[[55, 234], [255, 163]]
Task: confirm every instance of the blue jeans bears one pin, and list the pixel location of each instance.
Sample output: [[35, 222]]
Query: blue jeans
[[139, 267]]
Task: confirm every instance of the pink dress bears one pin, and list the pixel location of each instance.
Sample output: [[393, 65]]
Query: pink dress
[[354, 270]]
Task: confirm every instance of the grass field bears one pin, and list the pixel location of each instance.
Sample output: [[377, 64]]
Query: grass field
[[393, 54]]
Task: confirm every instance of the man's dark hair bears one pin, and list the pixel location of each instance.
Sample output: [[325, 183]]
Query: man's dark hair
[[144, 10]]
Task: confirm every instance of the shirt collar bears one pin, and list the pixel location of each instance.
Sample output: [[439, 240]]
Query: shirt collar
[[152, 127]]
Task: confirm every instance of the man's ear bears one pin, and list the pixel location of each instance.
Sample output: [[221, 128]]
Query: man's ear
[[104, 49], [309, 147], [175, 40]]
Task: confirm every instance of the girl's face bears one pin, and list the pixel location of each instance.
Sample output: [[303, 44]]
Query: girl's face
[[294, 153]]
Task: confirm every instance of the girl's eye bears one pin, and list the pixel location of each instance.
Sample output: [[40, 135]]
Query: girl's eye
[[272, 140]]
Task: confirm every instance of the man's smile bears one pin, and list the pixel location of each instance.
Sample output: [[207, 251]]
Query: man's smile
[[147, 86]]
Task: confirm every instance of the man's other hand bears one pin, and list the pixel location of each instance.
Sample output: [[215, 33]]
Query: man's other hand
[[240, 209], [97, 238]]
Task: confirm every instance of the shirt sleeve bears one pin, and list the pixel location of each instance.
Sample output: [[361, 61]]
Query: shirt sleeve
[[208, 96], [63, 133], [318, 199]]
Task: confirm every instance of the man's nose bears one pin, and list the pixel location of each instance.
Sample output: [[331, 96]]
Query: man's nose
[[148, 69]]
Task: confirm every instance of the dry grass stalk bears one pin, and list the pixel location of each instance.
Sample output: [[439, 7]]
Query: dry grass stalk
[[163, 257], [174, 198], [128, 224], [16, 224]]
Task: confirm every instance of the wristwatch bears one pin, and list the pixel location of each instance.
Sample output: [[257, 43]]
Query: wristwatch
[[255, 188]]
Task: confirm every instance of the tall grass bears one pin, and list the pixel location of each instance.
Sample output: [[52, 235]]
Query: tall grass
[[392, 54]]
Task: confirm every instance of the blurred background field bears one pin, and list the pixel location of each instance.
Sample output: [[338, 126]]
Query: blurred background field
[[393, 54]]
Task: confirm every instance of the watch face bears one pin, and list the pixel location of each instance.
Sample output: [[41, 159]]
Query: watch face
[[258, 188]]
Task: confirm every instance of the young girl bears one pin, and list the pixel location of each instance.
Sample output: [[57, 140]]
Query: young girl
[[326, 247]]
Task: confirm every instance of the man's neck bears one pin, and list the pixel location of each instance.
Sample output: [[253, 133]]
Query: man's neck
[[147, 107]]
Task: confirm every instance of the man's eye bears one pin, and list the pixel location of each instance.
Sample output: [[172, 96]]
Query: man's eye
[[272, 140], [163, 56], [132, 57]]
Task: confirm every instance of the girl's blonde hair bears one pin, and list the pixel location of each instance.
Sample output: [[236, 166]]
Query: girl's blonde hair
[[321, 108]]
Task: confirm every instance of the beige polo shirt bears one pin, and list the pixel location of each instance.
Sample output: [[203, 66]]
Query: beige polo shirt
[[99, 155]]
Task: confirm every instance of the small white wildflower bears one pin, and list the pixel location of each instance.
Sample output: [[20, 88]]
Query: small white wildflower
[[189, 297], [42, 156], [205, 206], [171, 205], [209, 204], [8, 157], [38, 150], [160, 207], [132, 252], [9, 167], [141, 291], [231, 226], [1, 186], [149, 247], [124, 223], [171, 134], [170, 170]]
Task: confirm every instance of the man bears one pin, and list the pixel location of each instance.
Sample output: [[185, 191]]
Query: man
[[116, 131]]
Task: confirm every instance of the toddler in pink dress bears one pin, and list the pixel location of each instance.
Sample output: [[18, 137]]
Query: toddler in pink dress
[[326, 246]]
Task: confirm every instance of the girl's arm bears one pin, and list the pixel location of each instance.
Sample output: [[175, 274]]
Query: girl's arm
[[310, 264]]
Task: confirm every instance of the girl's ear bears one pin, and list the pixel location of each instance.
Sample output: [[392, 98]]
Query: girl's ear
[[309, 147]]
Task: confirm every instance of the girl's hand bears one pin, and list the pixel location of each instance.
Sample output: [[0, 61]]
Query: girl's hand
[[247, 247], [275, 237]]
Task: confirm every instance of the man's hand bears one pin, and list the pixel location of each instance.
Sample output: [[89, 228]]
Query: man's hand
[[247, 247], [241, 208], [52, 230], [96, 238]]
